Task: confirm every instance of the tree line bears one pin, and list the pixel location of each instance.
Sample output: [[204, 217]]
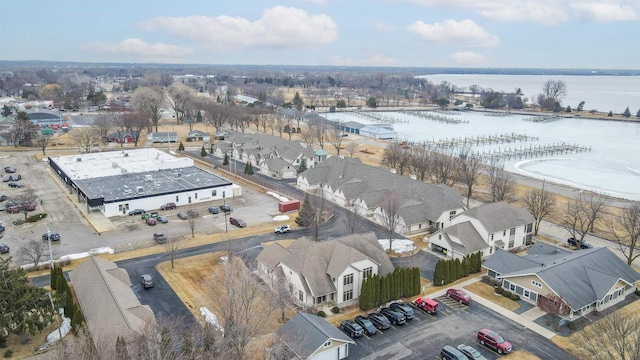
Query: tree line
[[377, 290], [448, 271]]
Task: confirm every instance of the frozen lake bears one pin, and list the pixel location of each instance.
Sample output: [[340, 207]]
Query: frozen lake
[[612, 166]]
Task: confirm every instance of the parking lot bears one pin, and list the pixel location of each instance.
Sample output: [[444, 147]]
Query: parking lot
[[424, 336]]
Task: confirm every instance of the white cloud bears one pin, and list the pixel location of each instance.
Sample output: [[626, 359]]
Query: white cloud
[[467, 58], [547, 12], [279, 27], [465, 32], [376, 59], [382, 26], [317, 2], [143, 51]]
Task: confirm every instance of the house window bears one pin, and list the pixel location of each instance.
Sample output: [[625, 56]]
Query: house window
[[491, 237], [439, 236], [321, 299], [367, 273], [452, 214], [511, 243], [348, 279], [512, 232], [348, 295], [196, 195], [535, 283], [504, 232], [512, 287], [527, 294], [214, 192], [177, 199], [328, 343]]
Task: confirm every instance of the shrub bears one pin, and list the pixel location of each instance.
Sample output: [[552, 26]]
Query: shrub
[[499, 290], [189, 139], [637, 292], [3, 341], [495, 282], [321, 314], [506, 294], [8, 353], [335, 310], [36, 217], [515, 297], [486, 279]]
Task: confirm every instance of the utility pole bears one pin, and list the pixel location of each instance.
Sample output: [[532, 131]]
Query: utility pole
[[50, 251]]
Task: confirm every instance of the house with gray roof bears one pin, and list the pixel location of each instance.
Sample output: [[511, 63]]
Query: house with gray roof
[[311, 337], [108, 303], [163, 137], [324, 273], [586, 280], [352, 127], [379, 131], [484, 228], [365, 189], [197, 135]]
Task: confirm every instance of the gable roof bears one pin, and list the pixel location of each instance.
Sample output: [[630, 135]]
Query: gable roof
[[499, 216], [108, 303], [317, 262], [304, 334], [579, 277], [470, 240]]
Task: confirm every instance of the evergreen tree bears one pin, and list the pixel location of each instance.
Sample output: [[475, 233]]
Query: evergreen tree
[[365, 299], [248, 168], [638, 114], [121, 352], [307, 213], [225, 161], [478, 262], [199, 116], [383, 290], [459, 271], [610, 114], [77, 320], [626, 112], [303, 166], [417, 285], [203, 152], [375, 294], [181, 146], [437, 274], [52, 278]]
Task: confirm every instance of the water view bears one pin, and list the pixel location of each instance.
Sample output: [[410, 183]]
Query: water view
[[610, 167]]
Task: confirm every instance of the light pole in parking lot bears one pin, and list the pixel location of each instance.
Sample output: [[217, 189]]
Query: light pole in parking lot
[[50, 251], [226, 229]]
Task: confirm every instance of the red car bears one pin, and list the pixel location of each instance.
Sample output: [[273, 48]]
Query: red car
[[493, 340], [168, 206], [151, 221], [459, 296]]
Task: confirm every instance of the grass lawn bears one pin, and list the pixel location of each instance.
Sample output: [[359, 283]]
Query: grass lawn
[[487, 292], [522, 355], [21, 351]]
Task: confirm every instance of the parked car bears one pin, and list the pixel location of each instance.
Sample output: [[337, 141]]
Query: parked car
[[151, 221], [15, 185], [183, 216], [448, 352], [7, 178], [471, 352], [459, 296], [13, 209], [4, 248], [282, 229], [237, 222], [405, 309], [159, 238], [136, 212], [162, 219], [428, 305], [493, 340], [193, 213], [367, 325], [395, 317], [10, 169], [153, 214], [1, 228], [3, 197], [225, 208], [147, 281], [583, 245], [379, 321], [2, 208], [352, 328], [212, 210], [168, 206], [54, 236]]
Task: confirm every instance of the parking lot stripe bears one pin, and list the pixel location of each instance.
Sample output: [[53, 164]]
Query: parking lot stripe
[[366, 336]]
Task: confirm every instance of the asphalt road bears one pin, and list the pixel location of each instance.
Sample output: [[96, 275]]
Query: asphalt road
[[424, 336]]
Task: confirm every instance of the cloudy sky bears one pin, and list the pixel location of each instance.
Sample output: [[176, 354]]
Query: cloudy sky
[[418, 33]]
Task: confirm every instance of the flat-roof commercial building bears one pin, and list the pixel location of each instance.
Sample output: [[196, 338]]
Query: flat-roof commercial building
[[118, 181]]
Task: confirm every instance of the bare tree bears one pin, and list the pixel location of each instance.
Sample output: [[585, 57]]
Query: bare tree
[[352, 219], [216, 115], [192, 220], [501, 183], [553, 305], [180, 96], [469, 170], [283, 295], [102, 125], [319, 130], [540, 204], [581, 214], [243, 306], [149, 101], [262, 121], [390, 206], [85, 138], [26, 202], [42, 141], [624, 230], [614, 336], [280, 123], [32, 251], [352, 148], [335, 137], [171, 246], [555, 90], [443, 168], [419, 162], [134, 123], [308, 137]]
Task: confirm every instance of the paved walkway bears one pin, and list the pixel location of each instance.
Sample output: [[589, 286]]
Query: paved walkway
[[525, 319]]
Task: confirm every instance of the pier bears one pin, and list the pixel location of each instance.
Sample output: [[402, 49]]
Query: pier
[[379, 118], [479, 140], [436, 117], [543, 119]]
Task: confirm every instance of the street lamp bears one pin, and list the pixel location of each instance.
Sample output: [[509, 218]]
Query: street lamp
[[50, 251], [226, 229]]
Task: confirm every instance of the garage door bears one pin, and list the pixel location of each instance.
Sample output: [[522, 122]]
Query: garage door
[[289, 174], [328, 355]]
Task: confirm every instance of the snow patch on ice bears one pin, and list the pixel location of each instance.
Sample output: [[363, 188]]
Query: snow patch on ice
[[398, 245]]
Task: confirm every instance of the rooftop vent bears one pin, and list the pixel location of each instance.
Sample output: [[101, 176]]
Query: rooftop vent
[[140, 189], [79, 159], [126, 154], [148, 177]]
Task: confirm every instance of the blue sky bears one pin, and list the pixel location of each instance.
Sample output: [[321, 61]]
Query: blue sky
[[409, 33]]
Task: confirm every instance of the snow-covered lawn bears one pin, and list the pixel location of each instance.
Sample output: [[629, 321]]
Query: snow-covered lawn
[[397, 245]]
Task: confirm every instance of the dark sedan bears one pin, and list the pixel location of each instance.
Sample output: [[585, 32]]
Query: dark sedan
[[213, 210], [405, 309], [379, 321], [136, 212], [367, 325], [53, 236], [4, 248], [10, 169], [395, 317], [351, 328]]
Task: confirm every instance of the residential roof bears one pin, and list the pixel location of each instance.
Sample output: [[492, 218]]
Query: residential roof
[[110, 307], [271, 255], [318, 262], [499, 216], [304, 334], [352, 125], [579, 277], [198, 133], [469, 240], [164, 135]]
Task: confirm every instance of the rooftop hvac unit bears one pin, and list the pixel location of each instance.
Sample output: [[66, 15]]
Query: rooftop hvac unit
[[139, 189], [126, 154], [79, 159], [148, 177]]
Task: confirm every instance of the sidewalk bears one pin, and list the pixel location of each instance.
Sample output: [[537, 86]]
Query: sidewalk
[[526, 319]]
